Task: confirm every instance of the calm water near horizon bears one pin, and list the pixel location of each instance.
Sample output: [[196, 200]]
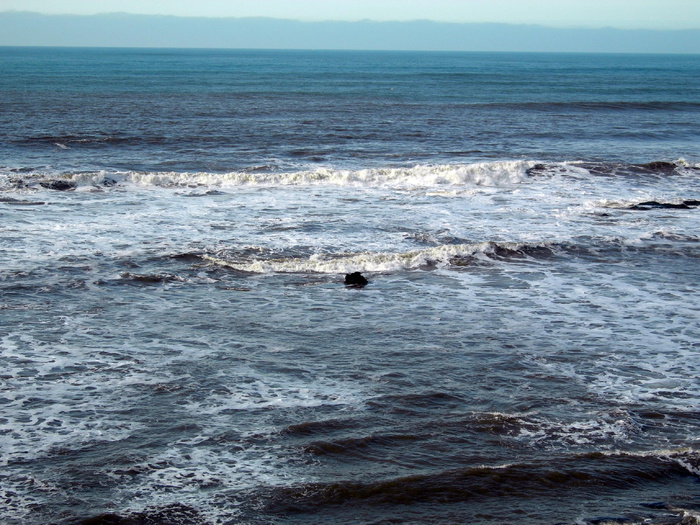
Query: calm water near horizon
[[177, 345]]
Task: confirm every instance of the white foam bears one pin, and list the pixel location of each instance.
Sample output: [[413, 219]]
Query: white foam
[[497, 173], [686, 457], [437, 256], [251, 391], [605, 430], [614, 328]]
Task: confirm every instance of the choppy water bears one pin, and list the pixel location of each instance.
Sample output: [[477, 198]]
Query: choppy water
[[177, 344]]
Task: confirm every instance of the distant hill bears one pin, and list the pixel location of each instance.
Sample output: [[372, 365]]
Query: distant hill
[[125, 30]]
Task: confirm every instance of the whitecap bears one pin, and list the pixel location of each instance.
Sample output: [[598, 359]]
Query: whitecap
[[434, 257]]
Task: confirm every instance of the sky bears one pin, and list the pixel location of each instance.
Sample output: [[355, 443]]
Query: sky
[[623, 14]]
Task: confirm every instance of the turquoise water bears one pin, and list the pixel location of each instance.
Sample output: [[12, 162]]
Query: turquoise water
[[223, 111]]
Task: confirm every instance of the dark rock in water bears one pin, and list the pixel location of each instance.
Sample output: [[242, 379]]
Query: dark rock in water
[[355, 280], [58, 185], [108, 183], [654, 205]]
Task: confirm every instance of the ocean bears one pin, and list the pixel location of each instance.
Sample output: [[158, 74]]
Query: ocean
[[178, 344]]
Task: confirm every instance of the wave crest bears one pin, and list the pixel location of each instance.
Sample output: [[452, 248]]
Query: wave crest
[[428, 258], [480, 174], [498, 173]]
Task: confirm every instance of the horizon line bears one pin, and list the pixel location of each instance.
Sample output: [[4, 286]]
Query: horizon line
[[354, 21], [331, 50]]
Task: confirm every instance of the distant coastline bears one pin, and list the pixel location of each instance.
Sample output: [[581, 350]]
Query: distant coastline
[[126, 30]]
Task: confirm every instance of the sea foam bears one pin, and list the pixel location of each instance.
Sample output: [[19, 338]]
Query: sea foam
[[498, 173], [437, 256]]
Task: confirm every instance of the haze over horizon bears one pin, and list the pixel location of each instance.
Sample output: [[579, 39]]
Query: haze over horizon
[[25, 29], [620, 14]]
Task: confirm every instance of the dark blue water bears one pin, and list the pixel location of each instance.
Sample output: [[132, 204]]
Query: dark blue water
[[219, 111], [178, 346]]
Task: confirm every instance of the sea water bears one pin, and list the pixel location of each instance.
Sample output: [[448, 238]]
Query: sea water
[[177, 344]]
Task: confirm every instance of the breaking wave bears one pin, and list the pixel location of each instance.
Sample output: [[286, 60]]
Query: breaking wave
[[428, 258], [481, 174], [450, 256], [489, 174]]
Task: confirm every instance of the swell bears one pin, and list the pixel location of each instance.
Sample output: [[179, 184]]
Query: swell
[[456, 256], [175, 514], [497, 173], [585, 474], [503, 173], [424, 259], [181, 267], [428, 496], [419, 434], [88, 140], [592, 106], [579, 168]]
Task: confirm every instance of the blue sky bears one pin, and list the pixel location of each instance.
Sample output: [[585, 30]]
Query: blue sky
[[627, 14]]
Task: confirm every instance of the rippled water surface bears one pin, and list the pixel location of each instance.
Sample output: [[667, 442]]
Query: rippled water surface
[[177, 344]]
